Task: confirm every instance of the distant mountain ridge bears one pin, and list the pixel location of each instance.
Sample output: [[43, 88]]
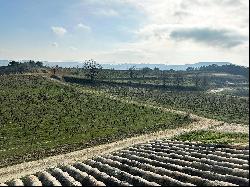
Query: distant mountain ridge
[[127, 66], [139, 66]]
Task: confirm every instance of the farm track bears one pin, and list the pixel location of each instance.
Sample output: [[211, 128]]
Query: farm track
[[155, 163], [40, 167]]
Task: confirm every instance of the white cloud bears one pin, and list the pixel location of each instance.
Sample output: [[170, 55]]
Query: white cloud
[[59, 31], [152, 42], [222, 19], [215, 37], [171, 52], [83, 27], [194, 12]]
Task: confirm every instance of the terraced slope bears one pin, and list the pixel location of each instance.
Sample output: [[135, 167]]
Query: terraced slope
[[161, 162]]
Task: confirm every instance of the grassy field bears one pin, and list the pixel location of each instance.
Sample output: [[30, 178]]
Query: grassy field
[[39, 117], [226, 108], [214, 137]]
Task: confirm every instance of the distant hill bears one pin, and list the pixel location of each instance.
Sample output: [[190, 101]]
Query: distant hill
[[126, 66], [64, 64], [4, 62], [138, 66], [200, 64], [162, 66]]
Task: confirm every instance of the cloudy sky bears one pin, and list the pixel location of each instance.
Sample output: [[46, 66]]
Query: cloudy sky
[[125, 31]]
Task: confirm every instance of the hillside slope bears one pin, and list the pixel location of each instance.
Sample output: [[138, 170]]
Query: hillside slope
[[39, 118]]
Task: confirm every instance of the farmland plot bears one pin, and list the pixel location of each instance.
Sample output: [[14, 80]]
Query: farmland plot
[[156, 163], [40, 118], [228, 108]]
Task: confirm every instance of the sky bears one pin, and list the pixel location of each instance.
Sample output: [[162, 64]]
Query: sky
[[125, 31]]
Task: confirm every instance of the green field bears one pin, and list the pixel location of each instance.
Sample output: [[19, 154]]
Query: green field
[[226, 108], [40, 117], [214, 137]]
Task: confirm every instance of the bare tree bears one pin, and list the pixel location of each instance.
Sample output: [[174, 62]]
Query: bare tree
[[196, 80], [55, 69], [179, 79], [92, 69], [164, 77], [131, 72], [204, 82]]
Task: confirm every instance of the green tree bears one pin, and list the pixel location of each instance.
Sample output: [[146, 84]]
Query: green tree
[[31, 63], [13, 63], [190, 69], [157, 72], [145, 70], [39, 64]]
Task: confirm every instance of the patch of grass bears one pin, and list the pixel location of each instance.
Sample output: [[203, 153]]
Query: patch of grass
[[214, 137], [39, 117]]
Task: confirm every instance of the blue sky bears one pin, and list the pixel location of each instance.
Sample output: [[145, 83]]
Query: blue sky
[[125, 31]]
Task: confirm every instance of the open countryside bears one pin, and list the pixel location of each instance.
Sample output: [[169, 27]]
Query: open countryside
[[150, 98]]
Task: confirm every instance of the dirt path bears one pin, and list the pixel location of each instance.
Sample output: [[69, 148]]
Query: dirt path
[[27, 168], [237, 128]]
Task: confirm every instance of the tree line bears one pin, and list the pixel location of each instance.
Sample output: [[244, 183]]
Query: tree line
[[229, 68], [93, 71], [21, 67]]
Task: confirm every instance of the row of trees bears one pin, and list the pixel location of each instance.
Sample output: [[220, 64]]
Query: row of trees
[[30, 63], [21, 67], [230, 68], [92, 71]]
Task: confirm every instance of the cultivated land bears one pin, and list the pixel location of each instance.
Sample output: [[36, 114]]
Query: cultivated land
[[92, 125], [228, 108], [40, 117], [155, 163], [215, 137], [199, 123]]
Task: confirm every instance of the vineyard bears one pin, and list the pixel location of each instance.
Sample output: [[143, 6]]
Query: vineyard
[[156, 163], [40, 118], [220, 107]]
